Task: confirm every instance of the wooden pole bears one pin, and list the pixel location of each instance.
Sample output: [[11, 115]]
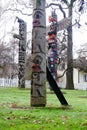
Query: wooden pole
[[22, 52], [38, 81], [52, 45]]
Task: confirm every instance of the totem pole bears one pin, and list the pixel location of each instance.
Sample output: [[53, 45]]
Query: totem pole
[[52, 46], [22, 52], [38, 81], [53, 59]]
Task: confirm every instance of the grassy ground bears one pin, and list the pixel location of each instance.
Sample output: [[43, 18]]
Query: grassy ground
[[16, 113]]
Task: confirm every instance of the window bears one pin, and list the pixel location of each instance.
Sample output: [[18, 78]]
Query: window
[[85, 77]]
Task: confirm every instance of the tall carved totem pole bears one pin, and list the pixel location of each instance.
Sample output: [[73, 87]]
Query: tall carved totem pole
[[38, 81], [22, 52]]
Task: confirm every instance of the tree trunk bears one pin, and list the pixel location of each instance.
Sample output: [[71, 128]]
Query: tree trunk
[[38, 81], [69, 73]]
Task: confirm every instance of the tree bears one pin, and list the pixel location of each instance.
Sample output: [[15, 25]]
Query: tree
[[81, 61], [8, 64], [69, 73], [82, 51]]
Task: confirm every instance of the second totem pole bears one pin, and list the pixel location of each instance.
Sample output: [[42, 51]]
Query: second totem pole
[[22, 52], [52, 46]]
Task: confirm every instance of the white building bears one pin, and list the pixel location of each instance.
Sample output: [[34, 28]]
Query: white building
[[79, 78]]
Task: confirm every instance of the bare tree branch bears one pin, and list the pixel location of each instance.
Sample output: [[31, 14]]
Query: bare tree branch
[[18, 10], [62, 74], [60, 7]]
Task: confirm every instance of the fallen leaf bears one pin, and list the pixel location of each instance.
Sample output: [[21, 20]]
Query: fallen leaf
[[12, 124], [84, 124], [7, 118], [13, 105]]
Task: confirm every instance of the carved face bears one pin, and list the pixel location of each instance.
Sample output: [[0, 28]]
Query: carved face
[[37, 15], [38, 18], [37, 60]]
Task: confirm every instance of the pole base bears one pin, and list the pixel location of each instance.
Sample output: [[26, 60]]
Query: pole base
[[38, 102]]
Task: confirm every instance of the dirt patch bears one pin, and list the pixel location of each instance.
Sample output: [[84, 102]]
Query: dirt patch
[[82, 96]]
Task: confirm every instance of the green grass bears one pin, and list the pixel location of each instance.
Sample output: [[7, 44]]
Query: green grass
[[16, 113]]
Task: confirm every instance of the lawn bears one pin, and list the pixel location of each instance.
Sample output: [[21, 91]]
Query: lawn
[[17, 114]]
